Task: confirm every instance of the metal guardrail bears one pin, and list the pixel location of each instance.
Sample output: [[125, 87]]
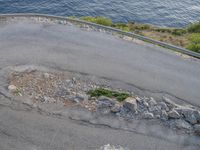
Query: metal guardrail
[[143, 38]]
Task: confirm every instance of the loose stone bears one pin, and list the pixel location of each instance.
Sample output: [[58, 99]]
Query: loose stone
[[152, 102], [131, 104], [46, 75], [174, 114], [169, 102], [116, 108], [145, 104], [148, 115], [74, 80], [164, 106], [164, 115], [12, 88], [81, 97], [190, 114], [197, 129], [49, 100], [104, 101], [182, 124]]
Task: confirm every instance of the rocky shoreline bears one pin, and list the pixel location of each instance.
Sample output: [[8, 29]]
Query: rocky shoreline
[[50, 90]]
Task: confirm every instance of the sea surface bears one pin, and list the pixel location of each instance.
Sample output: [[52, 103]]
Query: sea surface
[[174, 13]]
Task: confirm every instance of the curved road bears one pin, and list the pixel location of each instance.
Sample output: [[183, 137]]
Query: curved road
[[70, 48]]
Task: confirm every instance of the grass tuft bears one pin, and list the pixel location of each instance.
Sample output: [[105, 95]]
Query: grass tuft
[[194, 42], [98, 20], [120, 96], [194, 28]]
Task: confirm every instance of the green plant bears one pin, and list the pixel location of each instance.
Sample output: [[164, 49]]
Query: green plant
[[163, 30], [194, 42], [98, 20], [178, 32], [17, 92], [72, 17], [194, 47], [121, 26], [194, 28], [120, 96], [135, 26]]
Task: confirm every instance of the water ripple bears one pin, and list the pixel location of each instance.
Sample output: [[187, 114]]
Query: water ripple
[[177, 13]]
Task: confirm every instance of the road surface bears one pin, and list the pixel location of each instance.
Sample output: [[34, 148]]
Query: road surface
[[147, 67], [70, 48]]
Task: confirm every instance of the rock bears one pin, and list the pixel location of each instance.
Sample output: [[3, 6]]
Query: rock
[[127, 38], [74, 80], [148, 115], [49, 100], [146, 104], [197, 129], [174, 114], [157, 116], [138, 99], [80, 97], [182, 124], [164, 115], [155, 109], [12, 88], [68, 81], [93, 98], [131, 104], [46, 75], [116, 108], [164, 106], [169, 102], [190, 115], [104, 101], [198, 116], [152, 102], [111, 147], [191, 119], [62, 92]]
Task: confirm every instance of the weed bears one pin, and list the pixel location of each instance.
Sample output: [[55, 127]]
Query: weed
[[120, 96], [98, 20], [194, 28]]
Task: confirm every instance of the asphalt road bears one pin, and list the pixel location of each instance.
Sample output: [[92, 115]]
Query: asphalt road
[[70, 48], [24, 130]]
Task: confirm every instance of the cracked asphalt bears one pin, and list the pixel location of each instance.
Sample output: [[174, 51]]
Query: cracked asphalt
[[147, 67]]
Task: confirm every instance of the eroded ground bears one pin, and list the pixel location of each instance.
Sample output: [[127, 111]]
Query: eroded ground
[[52, 91]]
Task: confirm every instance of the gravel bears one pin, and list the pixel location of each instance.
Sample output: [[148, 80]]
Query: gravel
[[69, 89]]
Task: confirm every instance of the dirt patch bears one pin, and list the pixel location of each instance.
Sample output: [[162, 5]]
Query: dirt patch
[[68, 89], [42, 87]]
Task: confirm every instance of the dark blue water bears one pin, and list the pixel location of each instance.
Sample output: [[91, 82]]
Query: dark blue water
[[177, 13]]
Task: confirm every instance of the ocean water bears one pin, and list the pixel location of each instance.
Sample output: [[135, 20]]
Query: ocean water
[[174, 13]]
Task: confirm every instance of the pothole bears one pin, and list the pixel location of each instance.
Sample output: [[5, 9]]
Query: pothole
[[61, 90]]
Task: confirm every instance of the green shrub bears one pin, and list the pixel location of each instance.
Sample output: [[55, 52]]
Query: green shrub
[[194, 47], [98, 20], [120, 25], [72, 17], [195, 38], [164, 30], [194, 28], [179, 32], [134, 26], [194, 42], [120, 96]]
